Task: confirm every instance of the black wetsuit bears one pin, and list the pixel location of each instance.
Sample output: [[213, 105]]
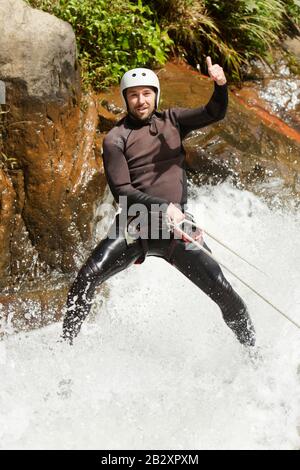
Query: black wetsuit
[[144, 163]]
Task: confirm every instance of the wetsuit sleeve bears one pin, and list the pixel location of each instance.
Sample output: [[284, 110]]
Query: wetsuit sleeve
[[215, 110], [118, 176]]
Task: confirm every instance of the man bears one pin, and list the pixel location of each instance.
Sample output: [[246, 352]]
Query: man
[[144, 165]]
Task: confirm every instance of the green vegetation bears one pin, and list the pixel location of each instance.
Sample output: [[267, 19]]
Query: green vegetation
[[114, 36], [232, 32], [292, 15]]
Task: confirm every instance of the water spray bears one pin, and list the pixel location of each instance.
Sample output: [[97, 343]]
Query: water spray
[[198, 245]]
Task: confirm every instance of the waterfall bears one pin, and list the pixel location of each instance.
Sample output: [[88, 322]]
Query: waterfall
[[155, 366]]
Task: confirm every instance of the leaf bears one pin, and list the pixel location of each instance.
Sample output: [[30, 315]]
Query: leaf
[[125, 43], [251, 5]]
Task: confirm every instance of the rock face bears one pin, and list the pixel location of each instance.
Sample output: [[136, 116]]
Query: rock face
[[49, 194], [36, 48], [7, 196]]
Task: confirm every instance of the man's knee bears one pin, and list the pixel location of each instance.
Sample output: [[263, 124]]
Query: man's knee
[[226, 297], [92, 269], [89, 270], [218, 284]]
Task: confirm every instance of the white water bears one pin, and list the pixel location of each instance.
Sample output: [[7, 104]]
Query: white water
[[157, 367]]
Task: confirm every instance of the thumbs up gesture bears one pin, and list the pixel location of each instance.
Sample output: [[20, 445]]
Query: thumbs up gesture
[[215, 72]]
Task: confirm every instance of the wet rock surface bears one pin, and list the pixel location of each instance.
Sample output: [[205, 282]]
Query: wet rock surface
[[35, 304], [51, 172], [275, 88], [49, 134]]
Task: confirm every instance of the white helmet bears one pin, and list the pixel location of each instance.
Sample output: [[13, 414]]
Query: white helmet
[[139, 77]]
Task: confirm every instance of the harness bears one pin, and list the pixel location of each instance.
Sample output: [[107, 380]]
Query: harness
[[140, 232]]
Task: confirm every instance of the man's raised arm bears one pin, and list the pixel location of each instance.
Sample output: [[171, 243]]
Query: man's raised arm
[[215, 110]]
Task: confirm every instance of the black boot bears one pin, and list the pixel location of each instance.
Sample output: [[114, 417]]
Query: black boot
[[234, 311], [243, 328]]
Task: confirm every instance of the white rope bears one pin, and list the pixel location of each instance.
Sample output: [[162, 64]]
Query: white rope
[[231, 272], [185, 221]]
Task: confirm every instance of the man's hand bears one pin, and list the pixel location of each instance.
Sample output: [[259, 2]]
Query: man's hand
[[215, 72], [174, 216]]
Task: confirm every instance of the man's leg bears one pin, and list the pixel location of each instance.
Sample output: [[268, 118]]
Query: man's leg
[[206, 274], [108, 258]]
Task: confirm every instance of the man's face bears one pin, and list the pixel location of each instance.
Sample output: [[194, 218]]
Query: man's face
[[141, 101]]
